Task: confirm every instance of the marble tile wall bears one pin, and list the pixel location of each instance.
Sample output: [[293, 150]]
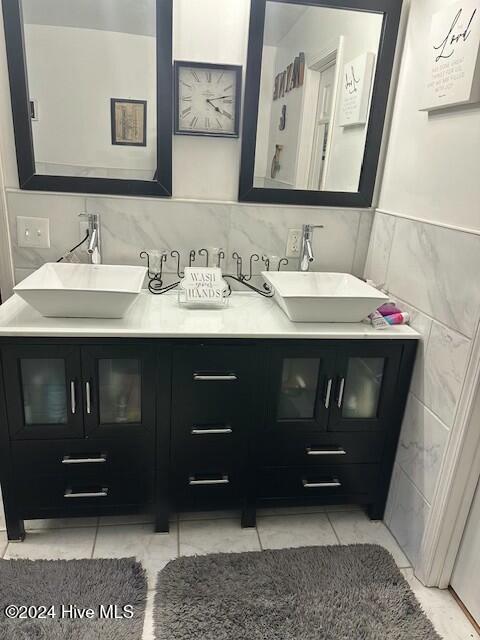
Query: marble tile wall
[[428, 270], [130, 225]]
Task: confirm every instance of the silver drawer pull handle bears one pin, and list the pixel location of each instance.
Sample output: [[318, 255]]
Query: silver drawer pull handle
[[102, 493], [334, 482], [223, 480], [98, 459], [88, 398], [73, 398], [340, 393], [325, 452], [328, 393], [207, 377], [198, 431]]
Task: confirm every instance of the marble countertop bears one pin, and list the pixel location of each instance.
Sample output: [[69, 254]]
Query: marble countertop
[[247, 316]]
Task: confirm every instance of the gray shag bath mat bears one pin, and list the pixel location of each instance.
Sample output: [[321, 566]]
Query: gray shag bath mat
[[44, 599], [353, 592]]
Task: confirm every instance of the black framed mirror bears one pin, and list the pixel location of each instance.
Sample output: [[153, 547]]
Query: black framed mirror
[[317, 83], [91, 93]]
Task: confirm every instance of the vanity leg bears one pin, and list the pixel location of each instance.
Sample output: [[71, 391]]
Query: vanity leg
[[15, 529], [249, 515], [162, 521], [376, 510]]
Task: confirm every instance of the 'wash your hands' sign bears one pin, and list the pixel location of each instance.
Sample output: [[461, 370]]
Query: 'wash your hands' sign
[[453, 57], [203, 286]]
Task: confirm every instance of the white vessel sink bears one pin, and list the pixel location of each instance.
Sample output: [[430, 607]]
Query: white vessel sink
[[323, 297], [63, 290]]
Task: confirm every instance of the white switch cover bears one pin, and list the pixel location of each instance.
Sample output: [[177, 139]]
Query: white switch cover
[[293, 243], [33, 232]]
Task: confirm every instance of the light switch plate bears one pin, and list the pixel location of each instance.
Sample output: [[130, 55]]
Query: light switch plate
[[33, 232]]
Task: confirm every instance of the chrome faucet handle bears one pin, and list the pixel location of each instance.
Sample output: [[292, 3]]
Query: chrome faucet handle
[[314, 226]]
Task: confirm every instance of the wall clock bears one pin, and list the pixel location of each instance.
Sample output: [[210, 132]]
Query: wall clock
[[207, 99]]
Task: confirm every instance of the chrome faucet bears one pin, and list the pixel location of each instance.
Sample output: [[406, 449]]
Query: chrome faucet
[[94, 237], [306, 251]]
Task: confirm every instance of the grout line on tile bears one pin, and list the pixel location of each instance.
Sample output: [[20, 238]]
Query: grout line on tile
[[95, 538], [211, 516], [333, 527], [423, 403], [428, 315], [259, 540]]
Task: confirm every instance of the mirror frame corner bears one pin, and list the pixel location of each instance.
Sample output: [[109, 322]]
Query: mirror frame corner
[[19, 94], [363, 198]]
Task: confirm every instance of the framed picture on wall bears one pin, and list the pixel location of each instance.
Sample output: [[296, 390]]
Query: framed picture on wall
[[129, 122]]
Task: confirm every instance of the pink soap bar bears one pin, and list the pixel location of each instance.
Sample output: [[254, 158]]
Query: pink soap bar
[[388, 309]]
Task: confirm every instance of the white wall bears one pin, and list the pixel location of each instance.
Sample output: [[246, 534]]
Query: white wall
[[317, 30], [425, 249], [208, 31], [433, 164], [94, 66]]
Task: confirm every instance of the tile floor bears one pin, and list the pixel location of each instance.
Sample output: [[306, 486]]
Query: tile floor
[[199, 533]]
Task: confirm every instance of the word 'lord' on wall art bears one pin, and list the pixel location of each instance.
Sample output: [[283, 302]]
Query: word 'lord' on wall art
[[356, 87], [453, 57]]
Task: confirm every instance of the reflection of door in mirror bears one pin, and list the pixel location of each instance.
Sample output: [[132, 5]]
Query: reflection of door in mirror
[[79, 59], [319, 151], [318, 165]]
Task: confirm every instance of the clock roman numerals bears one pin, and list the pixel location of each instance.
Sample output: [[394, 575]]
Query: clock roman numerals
[[186, 111], [194, 74], [227, 115], [208, 75]]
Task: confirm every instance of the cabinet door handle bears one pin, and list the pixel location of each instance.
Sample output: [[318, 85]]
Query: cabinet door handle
[[328, 393], [197, 431], [73, 397], [340, 392], [101, 493], [224, 479], [88, 397], [214, 377], [334, 482], [311, 451], [102, 457]]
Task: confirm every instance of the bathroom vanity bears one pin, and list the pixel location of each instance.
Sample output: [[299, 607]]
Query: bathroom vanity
[[171, 409]]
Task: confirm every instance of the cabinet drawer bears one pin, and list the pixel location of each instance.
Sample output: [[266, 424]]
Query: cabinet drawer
[[213, 385], [210, 446], [325, 480], [57, 456], [206, 484], [58, 492], [314, 448]]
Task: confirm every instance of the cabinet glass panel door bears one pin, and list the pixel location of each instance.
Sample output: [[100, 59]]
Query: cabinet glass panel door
[[364, 395], [362, 387], [301, 383], [120, 390], [298, 389], [44, 390], [42, 384]]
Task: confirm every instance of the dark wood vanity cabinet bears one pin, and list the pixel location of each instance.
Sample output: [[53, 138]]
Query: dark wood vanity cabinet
[[99, 427], [332, 421]]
